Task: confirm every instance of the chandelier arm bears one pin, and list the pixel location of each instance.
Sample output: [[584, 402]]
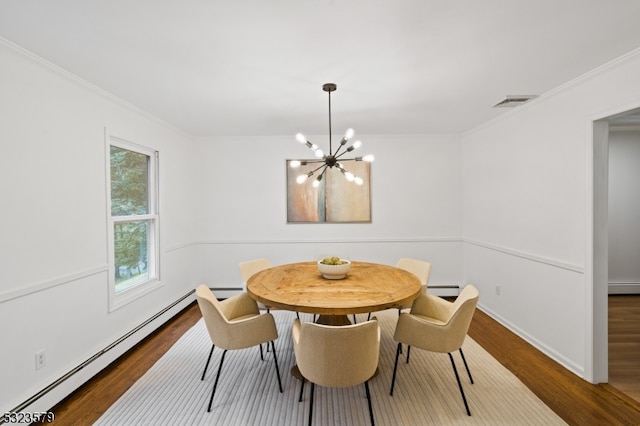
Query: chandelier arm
[[338, 156], [318, 168], [322, 172]]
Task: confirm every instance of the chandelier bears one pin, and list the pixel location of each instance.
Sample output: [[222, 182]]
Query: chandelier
[[330, 160]]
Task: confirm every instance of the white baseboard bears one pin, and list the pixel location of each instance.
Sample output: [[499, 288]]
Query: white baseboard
[[48, 397], [624, 288], [444, 290]]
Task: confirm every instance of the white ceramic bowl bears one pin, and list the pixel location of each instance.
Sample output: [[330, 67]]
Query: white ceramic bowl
[[334, 272]]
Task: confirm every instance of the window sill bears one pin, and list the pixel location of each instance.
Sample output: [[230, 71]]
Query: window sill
[[124, 297]]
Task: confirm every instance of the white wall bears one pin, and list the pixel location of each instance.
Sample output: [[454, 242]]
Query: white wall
[[415, 196], [624, 211], [53, 247], [527, 210]]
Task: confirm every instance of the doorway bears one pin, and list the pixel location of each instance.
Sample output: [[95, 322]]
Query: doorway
[[616, 228]]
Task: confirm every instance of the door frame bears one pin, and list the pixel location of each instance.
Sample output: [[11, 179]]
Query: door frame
[[597, 259], [597, 362]]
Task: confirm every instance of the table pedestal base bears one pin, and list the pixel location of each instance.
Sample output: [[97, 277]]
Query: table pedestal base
[[336, 320]]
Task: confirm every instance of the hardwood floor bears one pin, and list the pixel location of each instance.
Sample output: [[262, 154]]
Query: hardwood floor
[[624, 344], [573, 399]]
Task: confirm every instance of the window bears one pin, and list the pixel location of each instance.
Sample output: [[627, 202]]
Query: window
[[133, 221]]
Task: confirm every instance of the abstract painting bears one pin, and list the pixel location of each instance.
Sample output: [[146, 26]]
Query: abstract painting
[[335, 200]]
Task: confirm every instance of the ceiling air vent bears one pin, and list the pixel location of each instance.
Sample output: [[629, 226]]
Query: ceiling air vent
[[514, 101]]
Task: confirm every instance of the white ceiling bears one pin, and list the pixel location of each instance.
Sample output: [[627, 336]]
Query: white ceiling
[[256, 67]]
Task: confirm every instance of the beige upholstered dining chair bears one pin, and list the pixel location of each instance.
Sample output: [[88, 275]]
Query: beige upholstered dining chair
[[235, 323], [437, 325], [419, 268], [336, 356], [250, 267]]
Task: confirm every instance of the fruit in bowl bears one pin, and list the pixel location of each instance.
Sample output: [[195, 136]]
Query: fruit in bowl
[[333, 261], [334, 268]]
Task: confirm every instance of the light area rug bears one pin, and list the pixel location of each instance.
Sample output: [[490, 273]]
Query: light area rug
[[426, 392]]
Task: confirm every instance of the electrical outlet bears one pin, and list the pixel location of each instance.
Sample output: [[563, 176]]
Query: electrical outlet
[[497, 290], [41, 359]]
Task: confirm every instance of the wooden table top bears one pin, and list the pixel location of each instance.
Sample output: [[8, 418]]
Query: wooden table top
[[368, 287]]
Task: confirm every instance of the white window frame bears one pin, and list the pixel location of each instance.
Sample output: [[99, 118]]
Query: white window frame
[[128, 295]]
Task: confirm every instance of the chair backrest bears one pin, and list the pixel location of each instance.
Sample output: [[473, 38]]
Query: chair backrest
[[419, 268], [213, 315], [250, 267], [338, 356], [437, 325], [461, 316]]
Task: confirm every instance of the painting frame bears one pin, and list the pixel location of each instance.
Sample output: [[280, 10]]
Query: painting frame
[[334, 200]]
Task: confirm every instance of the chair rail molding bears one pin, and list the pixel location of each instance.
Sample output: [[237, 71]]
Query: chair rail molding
[[528, 256], [444, 239], [50, 283]]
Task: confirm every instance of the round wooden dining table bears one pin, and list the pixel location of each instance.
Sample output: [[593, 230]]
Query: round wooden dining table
[[367, 287]]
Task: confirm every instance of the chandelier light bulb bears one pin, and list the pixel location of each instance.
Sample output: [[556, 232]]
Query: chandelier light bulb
[[316, 183], [359, 180], [357, 144], [348, 134], [319, 153], [301, 178], [350, 177], [294, 163], [301, 138], [369, 158]]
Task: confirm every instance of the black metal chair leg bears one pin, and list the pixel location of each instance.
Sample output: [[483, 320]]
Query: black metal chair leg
[[395, 368], [369, 316], [354, 319], [261, 353], [366, 387], [408, 352], [213, 392], [208, 359], [268, 311], [455, 370], [275, 359], [301, 388], [399, 313], [465, 365], [311, 403]]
